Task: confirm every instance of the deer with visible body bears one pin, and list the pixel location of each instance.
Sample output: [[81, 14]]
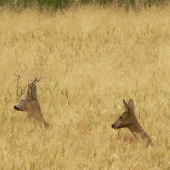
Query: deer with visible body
[[30, 103], [128, 119]]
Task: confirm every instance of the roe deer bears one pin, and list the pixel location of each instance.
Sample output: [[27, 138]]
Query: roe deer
[[30, 103], [129, 120]]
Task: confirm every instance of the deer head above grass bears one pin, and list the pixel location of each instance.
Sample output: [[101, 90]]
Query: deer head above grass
[[30, 103], [128, 119]]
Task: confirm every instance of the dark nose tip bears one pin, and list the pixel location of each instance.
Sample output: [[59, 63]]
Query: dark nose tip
[[113, 126], [16, 108]]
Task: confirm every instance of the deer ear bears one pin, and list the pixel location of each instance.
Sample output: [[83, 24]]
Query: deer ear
[[131, 106], [34, 92], [29, 90], [126, 105]]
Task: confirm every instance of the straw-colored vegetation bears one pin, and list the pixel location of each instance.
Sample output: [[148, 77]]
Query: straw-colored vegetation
[[89, 59]]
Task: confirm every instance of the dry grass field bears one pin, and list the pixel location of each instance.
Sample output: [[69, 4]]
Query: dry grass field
[[89, 60]]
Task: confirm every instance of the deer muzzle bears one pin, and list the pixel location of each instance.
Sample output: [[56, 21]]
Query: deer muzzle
[[114, 126], [17, 108]]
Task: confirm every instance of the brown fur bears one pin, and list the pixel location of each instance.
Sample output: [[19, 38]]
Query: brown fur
[[128, 119], [31, 105]]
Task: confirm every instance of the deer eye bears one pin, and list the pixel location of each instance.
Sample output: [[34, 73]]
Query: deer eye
[[121, 117]]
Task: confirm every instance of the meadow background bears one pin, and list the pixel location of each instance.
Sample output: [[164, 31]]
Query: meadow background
[[89, 59]]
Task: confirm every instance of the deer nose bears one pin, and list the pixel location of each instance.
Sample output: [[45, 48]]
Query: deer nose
[[16, 108], [113, 126]]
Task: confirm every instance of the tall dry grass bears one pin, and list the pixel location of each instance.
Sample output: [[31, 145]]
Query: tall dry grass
[[89, 59]]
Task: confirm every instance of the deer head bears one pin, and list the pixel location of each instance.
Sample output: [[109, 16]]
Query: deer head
[[30, 103], [27, 103], [129, 120], [126, 118]]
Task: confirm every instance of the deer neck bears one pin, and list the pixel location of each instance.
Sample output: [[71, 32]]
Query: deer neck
[[36, 112], [35, 109], [136, 129]]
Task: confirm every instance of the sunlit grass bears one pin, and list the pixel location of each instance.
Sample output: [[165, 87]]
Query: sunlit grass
[[90, 59]]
